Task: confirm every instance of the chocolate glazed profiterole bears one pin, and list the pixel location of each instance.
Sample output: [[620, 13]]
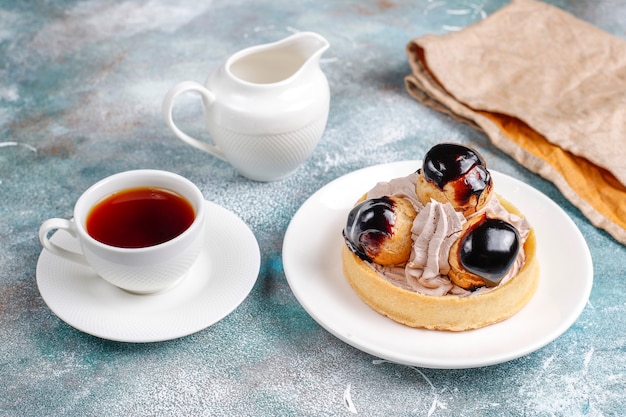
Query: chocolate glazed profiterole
[[489, 272], [379, 230], [484, 253], [455, 174]]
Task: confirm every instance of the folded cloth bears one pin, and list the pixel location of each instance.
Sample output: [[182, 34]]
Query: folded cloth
[[548, 89]]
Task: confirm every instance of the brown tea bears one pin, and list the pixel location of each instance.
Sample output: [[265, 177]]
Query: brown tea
[[139, 217]]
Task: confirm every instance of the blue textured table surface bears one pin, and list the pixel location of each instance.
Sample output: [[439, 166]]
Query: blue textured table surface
[[81, 85]]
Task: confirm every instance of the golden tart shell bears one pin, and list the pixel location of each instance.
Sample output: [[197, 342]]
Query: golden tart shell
[[449, 312]]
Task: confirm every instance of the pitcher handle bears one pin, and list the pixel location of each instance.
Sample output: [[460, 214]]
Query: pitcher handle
[[207, 100]]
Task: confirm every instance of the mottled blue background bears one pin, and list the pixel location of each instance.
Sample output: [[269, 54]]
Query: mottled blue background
[[81, 85]]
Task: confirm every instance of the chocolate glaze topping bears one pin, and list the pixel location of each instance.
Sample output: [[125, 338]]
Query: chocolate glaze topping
[[459, 165], [489, 249], [369, 224]]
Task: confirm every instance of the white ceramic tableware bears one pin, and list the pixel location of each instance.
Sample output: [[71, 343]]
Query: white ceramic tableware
[[216, 284], [139, 270], [266, 107], [314, 273]]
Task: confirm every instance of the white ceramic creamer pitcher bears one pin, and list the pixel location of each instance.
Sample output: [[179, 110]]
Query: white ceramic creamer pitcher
[[266, 107]]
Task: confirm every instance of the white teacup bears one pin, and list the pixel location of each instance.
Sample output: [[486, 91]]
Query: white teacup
[[265, 108], [142, 270]]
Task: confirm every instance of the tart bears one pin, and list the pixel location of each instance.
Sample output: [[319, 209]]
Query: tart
[[478, 258]]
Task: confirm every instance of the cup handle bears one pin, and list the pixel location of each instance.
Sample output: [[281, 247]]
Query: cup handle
[[60, 224], [207, 100]]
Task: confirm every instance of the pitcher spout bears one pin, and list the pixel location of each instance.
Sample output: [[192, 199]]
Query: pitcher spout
[[278, 61], [310, 44]]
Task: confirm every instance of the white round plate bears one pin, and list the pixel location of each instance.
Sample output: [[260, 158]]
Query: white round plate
[[216, 284], [312, 262]]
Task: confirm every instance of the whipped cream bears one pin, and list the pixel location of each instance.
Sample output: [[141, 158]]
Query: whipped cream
[[435, 228]]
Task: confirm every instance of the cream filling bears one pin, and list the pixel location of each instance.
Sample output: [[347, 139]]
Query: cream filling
[[435, 229]]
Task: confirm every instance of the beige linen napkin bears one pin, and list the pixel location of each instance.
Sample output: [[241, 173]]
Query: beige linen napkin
[[548, 89]]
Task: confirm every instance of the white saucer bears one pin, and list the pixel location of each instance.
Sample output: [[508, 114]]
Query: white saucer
[[217, 283], [312, 262]]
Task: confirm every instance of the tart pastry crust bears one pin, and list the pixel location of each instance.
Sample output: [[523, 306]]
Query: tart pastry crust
[[448, 312]]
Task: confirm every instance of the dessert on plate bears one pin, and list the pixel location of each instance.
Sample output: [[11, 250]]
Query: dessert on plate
[[440, 249]]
